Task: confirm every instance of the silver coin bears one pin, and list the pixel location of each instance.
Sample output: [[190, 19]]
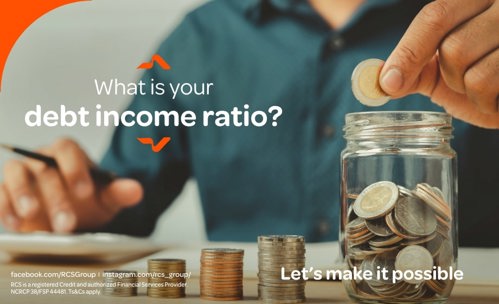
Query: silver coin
[[281, 238], [413, 258], [404, 191], [415, 216], [365, 83], [360, 240], [378, 227], [435, 201], [399, 231], [356, 224], [367, 266], [385, 260], [112, 277], [376, 200], [434, 245], [445, 257], [385, 241], [420, 240]]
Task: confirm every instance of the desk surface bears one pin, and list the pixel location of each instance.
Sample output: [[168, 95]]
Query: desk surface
[[316, 292]]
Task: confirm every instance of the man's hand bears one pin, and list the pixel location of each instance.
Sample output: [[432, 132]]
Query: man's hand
[[450, 53], [35, 196]]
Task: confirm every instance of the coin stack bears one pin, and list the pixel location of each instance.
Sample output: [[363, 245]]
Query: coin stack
[[120, 283], [275, 252], [167, 278], [221, 274], [389, 226]]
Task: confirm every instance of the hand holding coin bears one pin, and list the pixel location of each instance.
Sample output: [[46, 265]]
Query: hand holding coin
[[450, 53]]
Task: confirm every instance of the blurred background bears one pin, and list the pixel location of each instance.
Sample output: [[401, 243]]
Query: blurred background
[[55, 61]]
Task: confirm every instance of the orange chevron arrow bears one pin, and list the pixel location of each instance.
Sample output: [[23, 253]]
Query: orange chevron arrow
[[16, 17], [155, 147], [155, 59]]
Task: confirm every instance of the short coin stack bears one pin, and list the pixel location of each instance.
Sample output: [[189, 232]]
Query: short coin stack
[[395, 228], [275, 252], [222, 274], [120, 283], [167, 279]]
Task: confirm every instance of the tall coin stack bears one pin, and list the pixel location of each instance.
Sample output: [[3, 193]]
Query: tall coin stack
[[120, 283], [222, 274], [275, 252], [395, 228], [167, 278]]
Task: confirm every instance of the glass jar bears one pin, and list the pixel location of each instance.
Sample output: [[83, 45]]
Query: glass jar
[[399, 206]]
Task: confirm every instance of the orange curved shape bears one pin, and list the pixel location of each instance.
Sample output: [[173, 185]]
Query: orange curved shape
[[16, 17], [155, 147], [155, 59]]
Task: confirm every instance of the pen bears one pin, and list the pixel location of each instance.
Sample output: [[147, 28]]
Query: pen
[[100, 177]]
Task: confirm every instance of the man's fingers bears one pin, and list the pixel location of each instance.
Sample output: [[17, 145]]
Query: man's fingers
[[467, 45], [55, 197], [18, 184], [422, 39], [449, 53], [482, 83], [7, 214], [74, 167], [120, 194], [430, 83]]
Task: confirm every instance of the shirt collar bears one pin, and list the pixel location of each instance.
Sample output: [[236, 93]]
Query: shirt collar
[[263, 10], [260, 10], [291, 5], [304, 5]]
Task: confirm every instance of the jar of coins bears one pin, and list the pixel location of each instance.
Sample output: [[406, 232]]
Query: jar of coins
[[399, 207]]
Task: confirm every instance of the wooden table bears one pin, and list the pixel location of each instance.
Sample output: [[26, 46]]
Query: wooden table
[[317, 292]]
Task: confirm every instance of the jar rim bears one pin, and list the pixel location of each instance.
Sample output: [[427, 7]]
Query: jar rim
[[443, 115], [363, 125]]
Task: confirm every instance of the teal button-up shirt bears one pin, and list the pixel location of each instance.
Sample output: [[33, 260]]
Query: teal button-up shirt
[[283, 179]]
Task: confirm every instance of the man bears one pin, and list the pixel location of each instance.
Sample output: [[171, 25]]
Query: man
[[284, 179]]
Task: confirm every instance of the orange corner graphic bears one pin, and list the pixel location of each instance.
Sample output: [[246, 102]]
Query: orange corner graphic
[[16, 17]]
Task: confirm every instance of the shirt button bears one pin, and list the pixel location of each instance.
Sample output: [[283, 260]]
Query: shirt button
[[323, 227], [328, 131], [336, 43]]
